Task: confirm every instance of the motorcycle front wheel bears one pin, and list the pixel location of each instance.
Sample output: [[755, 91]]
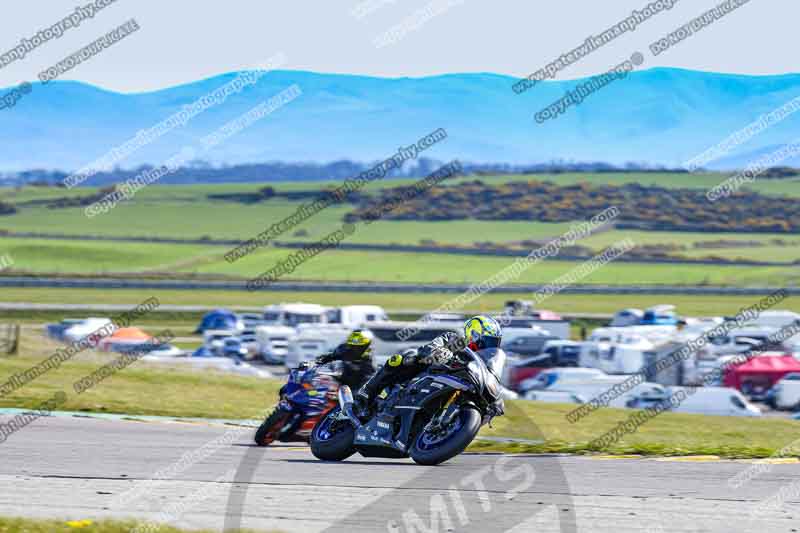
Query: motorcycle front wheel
[[269, 430], [431, 448], [332, 439]]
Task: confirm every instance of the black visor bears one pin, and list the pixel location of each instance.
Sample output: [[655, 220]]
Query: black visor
[[488, 341]]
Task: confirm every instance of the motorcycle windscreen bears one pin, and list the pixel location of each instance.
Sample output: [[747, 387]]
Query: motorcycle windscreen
[[495, 359]]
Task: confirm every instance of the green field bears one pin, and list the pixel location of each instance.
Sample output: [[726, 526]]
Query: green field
[[393, 302], [184, 212], [335, 265], [98, 257], [768, 252]]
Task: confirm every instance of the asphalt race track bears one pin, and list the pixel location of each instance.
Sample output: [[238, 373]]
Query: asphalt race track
[[79, 468]]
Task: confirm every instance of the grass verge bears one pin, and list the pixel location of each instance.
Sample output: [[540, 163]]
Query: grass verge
[[141, 389], [669, 434]]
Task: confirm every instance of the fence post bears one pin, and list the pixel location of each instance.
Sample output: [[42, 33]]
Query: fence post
[[15, 342], [9, 343]]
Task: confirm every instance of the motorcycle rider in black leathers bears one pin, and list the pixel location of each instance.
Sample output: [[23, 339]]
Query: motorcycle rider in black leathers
[[355, 353], [479, 332]]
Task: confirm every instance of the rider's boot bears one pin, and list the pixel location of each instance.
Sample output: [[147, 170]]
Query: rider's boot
[[367, 393]]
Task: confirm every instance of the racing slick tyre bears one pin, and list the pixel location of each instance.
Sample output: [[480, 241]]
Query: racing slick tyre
[[269, 430], [434, 448], [332, 439]]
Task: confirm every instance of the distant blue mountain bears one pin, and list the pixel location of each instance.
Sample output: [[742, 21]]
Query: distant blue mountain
[[658, 116]]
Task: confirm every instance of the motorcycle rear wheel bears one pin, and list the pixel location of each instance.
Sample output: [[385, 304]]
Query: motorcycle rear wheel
[[430, 451], [268, 431]]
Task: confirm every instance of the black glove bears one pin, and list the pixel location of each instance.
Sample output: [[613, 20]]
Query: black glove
[[323, 359]]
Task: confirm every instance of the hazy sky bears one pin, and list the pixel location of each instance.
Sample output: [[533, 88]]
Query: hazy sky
[[185, 40]]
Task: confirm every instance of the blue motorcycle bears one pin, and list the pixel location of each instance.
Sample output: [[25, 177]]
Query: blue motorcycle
[[307, 396]]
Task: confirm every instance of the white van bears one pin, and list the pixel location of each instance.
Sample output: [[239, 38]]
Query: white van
[[594, 388], [718, 401], [273, 343]]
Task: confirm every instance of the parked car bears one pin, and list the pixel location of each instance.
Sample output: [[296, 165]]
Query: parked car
[[56, 331], [553, 396], [250, 343], [659, 315], [528, 345], [555, 353], [786, 393], [627, 317], [251, 320], [556, 378], [233, 347], [526, 369], [563, 353], [92, 329], [214, 341]]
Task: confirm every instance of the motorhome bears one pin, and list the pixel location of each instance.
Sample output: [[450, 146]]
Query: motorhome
[[295, 314], [620, 350], [516, 326], [776, 319], [309, 324]]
